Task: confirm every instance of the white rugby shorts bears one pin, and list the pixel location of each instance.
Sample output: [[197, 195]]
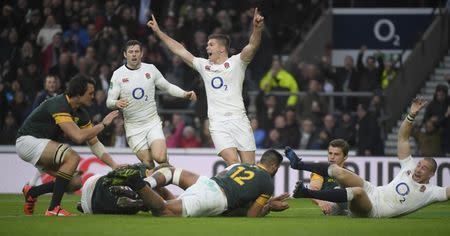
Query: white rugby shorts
[[30, 148], [144, 138], [204, 198], [235, 133]]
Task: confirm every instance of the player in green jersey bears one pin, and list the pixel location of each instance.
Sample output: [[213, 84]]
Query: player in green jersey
[[238, 186], [38, 141]]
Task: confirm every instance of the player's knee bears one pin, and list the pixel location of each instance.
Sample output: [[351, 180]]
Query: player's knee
[[65, 155], [336, 170], [160, 156]]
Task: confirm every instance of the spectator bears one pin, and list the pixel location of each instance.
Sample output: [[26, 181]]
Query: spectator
[[347, 80], [65, 69], [102, 80], [267, 111], [118, 138], [33, 23], [30, 80], [292, 128], [438, 106], [98, 108], [45, 35], [174, 137], [76, 38], [189, 139], [370, 73], [278, 79], [308, 135], [51, 55], [260, 134], [329, 127], [388, 75], [429, 140], [346, 129], [273, 141], [9, 131], [20, 107], [368, 133], [50, 90], [313, 105]]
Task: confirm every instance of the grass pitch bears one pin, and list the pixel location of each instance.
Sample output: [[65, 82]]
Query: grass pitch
[[303, 218]]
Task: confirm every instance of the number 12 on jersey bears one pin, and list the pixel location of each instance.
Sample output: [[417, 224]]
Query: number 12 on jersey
[[240, 175]]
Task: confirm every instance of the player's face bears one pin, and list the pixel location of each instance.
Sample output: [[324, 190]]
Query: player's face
[[423, 172], [87, 97], [133, 55], [214, 49], [336, 156]]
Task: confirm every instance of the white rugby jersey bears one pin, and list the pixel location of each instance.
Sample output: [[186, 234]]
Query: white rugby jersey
[[223, 85], [403, 195], [138, 87]]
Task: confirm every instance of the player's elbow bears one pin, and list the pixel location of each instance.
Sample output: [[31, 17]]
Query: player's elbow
[[111, 104]]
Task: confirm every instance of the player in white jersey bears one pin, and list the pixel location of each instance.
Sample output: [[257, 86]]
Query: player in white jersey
[[409, 191], [132, 89], [223, 77]]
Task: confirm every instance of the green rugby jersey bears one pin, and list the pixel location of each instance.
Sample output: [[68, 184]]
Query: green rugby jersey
[[245, 183], [327, 182], [43, 121]]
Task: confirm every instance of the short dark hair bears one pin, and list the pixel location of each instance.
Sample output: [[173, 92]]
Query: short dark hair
[[78, 85], [222, 39], [340, 143], [271, 157], [130, 43], [432, 162]]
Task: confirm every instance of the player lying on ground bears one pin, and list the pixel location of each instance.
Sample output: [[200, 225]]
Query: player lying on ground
[[102, 195], [409, 191], [238, 186]]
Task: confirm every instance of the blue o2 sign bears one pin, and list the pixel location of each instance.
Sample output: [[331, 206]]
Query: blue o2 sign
[[217, 82], [379, 28]]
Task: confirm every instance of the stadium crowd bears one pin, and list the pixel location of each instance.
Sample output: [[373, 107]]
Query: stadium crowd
[[45, 43]]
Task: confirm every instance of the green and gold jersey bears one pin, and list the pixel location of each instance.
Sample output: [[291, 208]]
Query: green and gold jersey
[[327, 182], [43, 121], [244, 183]]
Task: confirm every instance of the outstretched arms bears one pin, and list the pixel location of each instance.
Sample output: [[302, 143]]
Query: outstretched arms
[[249, 51], [172, 44], [403, 147]]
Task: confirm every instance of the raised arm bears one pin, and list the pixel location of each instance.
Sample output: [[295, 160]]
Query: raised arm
[[403, 147], [172, 44], [172, 89], [249, 51]]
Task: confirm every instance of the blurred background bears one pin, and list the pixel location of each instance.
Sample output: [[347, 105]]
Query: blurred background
[[324, 70]]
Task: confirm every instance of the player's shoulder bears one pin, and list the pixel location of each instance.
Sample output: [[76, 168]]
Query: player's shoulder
[[121, 70]]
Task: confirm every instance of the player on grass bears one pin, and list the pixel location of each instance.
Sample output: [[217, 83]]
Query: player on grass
[[223, 77], [337, 154], [99, 196], [409, 191], [132, 89], [38, 141], [238, 186]]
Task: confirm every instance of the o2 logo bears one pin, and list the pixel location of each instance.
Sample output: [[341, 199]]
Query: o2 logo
[[402, 189], [217, 83], [390, 35], [138, 93]]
